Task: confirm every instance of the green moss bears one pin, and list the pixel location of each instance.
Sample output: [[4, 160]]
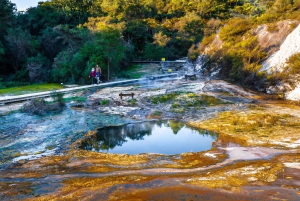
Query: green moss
[[186, 100], [175, 105], [132, 101], [164, 98], [104, 102]]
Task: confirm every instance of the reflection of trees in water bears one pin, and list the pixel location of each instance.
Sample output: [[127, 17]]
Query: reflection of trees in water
[[138, 131], [176, 126], [110, 137], [204, 132]]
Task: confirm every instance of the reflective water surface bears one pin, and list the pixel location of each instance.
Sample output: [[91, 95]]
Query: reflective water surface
[[169, 137]]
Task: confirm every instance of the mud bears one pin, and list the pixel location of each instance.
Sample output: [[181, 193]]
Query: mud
[[256, 156]]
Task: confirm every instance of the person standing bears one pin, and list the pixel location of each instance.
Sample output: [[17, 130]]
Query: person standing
[[98, 74], [93, 75]]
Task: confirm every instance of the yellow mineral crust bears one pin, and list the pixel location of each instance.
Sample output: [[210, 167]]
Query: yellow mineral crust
[[237, 175], [255, 128]]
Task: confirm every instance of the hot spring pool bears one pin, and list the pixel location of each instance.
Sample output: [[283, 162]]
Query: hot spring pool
[[167, 137]]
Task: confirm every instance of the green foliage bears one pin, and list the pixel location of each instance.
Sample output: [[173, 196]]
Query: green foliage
[[176, 126], [51, 43], [154, 52], [5, 85], [20, 45], [193, 54], [136, 32], [164, 98], [234, 29], [131, 72], [38, 68], [104, 102], [294, 64], [62, 70], [132, 101], [212, 27], [180, 101], [109, 50], [37, 19], [241, 54], [22, 89], [67, 38]]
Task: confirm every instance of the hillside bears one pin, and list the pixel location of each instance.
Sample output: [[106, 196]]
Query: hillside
[[256, 57], [277, 61]]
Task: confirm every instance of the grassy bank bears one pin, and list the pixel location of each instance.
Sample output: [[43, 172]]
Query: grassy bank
[[30, 89]]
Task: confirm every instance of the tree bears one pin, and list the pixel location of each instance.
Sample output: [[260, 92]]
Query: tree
[[7, 17], [52, 43], [137, 33], [110, 43], [37, 19], [234, 29], [70, 64], [161, 39], [38, 68], [7, 21], [19, 44]]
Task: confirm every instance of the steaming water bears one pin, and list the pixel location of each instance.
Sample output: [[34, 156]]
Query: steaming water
[[150, 137]]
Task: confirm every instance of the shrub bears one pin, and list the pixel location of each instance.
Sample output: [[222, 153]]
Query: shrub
[[132, 101], [104, 102], [234, 29], [294, 63]]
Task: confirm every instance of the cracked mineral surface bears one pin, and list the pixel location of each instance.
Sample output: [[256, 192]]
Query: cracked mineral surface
[[255, 157]]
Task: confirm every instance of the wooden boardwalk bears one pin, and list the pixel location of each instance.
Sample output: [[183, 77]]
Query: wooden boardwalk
[[25, 97]]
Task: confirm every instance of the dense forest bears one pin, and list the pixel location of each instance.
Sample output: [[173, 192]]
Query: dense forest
[[60, 40]]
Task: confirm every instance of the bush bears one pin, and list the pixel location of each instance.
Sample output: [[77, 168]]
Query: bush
[[234, 29], [104, 102], [294, 63]]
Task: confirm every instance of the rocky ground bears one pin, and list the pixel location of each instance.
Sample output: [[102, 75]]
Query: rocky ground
[[256, 156]]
